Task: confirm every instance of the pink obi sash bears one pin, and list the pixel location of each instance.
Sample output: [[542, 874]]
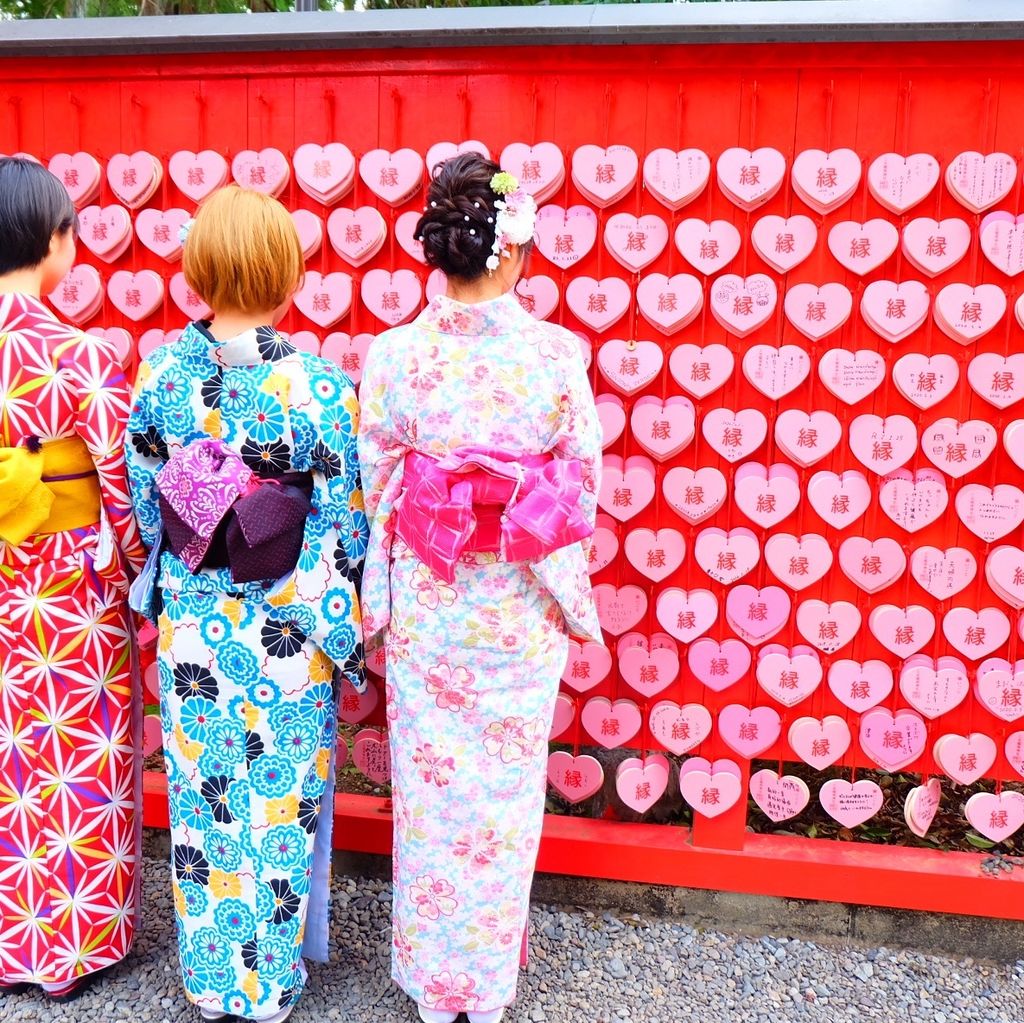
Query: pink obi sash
[[486, 499]]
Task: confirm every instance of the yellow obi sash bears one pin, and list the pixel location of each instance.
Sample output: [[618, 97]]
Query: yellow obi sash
[[49, 490]]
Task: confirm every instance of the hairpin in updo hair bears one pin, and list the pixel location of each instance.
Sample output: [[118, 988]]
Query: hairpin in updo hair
[[183, 231], [515, 217]]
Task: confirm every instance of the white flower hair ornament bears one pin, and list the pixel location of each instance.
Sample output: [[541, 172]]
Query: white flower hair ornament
[[515, 217]]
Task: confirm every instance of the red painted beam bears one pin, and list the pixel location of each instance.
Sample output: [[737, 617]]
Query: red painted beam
[[789, 867]]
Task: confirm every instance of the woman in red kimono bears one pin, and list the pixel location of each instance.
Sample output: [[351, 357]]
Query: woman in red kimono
[[68, 824]]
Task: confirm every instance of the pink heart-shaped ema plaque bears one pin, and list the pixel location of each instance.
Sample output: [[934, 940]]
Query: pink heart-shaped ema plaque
[[626, 487], [757, 614], [749, 732], [393, 177], [864, 247], [976, 634], [324, 172], [766, 494], [990, 512], [718, 665], [707, 247], [391, 297], [710, 794], [839, 500], [186, 299], [749, 178], [1014, 750], [789, 676], [611, 414], [1013, 442], [563, 717], [860, 686], [734, 435], [694, 494], [894, 311], [828, 626], [826, 180], [893, 741], [742, 304], [641, 782], [819, 742], [934, 686], [921, 805], [79, 173], [1004, 570], [914, 500], [784, 243], [676, 178], [851, 803], [325, 298], [540, 169], [354, 707], [807, 437], [604, 544], [775, 372], [943, 573], [630, 366], [779, 798], [978, 181], [648, 666], [119, 338], [587, 666], [883, 445], [686, 614], [604, 174], [997, 816], [635, 242], [669, 303], [900, 182], [798, 561], [266, 171], [598, 304], [198, 174], [902, 630], [965, 314], [158, 231], [965, 758], [565, 236], [655, 553], [347, 352], [151, 340], [817, 312], [441, 151], [304, 341], [311, 232], [679, 729], [935, 246], [1000, 688], [538, 295], [925, 380], [106, 231], [700, 371], [152, 734], [619, 608], [574, 778], [610, 724], [79, 295], [1002, 242], [727, 556], [872, 565], [134, 177], [999, 379], [356, 235], [957, 447], [372, 755], [663, 428], [137, 295]]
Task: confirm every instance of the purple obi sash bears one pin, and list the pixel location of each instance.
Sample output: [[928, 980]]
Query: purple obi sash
[[219, 513], [485, 499]]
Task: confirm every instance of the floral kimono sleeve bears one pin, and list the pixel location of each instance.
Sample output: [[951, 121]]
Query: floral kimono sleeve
[[145, 453], [334, 540]]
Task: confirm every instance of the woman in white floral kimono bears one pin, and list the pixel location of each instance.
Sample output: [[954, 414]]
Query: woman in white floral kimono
[[479, 448]]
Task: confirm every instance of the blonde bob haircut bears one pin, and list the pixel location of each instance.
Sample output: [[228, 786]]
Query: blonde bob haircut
[[243, 252]]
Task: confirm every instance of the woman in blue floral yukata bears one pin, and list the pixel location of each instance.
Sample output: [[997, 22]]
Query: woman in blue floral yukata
[[480, 448], [243, 470]]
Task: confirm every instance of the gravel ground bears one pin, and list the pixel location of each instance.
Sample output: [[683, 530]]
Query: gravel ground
[[585, 968]]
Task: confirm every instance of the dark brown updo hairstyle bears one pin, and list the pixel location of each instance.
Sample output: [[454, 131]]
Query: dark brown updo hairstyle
[[457, 228]]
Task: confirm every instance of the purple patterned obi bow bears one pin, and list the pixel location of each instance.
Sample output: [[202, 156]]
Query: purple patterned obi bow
[[217, 513], [486, 499]]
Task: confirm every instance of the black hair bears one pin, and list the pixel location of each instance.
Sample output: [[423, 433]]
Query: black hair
[[34, 206], [457, 227]]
